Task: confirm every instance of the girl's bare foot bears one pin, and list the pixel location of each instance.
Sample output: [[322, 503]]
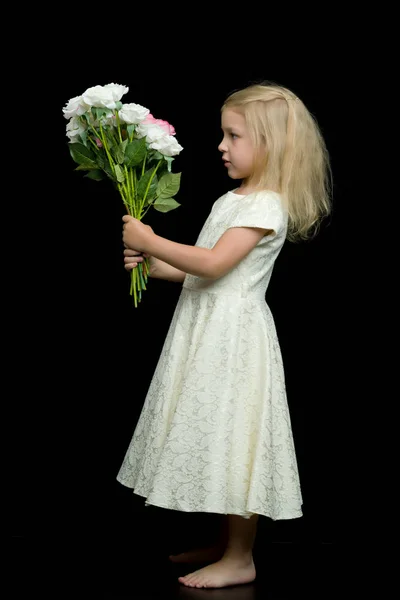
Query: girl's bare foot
[[220, 574], [210, 554]]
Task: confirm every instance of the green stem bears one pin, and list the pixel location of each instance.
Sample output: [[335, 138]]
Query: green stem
[[94, 143], [134, 181], [110, 160], [129, 191], [134, 286], [148, 185], [123, 196], [118, 126], [150, 205], [144, 163], [143, 285], [133, 184]]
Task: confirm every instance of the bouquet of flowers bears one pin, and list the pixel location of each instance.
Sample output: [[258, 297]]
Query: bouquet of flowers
[[127, 145]]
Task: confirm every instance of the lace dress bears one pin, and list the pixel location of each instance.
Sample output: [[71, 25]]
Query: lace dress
[[214, 434]]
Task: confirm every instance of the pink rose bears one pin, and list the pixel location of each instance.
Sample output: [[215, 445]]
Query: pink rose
[[169, 129], [164, 125], [149, 119]]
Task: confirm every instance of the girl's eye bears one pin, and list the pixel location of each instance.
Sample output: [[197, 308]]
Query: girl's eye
[[233, 135]]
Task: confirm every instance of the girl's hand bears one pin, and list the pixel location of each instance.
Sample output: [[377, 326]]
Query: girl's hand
[[132, 258], [135, 234]]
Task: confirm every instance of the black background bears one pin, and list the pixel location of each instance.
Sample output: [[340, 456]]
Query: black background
[[93, 353]]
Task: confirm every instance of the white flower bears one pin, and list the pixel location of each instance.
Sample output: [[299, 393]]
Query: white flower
[[75, 107], [167, 145], [132, 114], [151, 131], [74, 128], [104, 96]]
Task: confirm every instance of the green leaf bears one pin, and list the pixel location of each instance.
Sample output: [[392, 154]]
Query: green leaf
[[80, 153], [118, 105], [164, 205], [103, 163], [119, 174], [109, 140], [108, 170], [130, 129], [99, 112], [118, 152], [156, 155], [96, 174], [168, 185], [85, 117], [162, 170], [135, 152], [88, 166], [101, 160], [83, 137], [143, 183]]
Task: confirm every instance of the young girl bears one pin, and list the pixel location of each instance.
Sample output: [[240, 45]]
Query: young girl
[[215, 434]]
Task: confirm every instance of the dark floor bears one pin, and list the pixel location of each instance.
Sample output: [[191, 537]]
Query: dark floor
[[284, 571], [113, 546]]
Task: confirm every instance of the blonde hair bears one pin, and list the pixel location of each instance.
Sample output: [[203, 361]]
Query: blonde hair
[[291, 157]]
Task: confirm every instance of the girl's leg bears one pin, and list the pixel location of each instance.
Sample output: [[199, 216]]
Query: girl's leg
[[241, 537], [210, 553], [236, 565]]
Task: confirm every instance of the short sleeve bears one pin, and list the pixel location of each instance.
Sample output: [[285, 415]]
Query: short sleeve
[[261, 209]]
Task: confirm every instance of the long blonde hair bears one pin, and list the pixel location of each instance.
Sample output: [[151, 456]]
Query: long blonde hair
[[291, 155]]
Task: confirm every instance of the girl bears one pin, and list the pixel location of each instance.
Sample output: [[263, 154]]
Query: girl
[[215, 434]]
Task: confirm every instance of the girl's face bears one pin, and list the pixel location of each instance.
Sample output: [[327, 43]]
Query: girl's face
[[236, 146]]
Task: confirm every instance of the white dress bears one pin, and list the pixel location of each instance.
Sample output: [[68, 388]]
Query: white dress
[[214, 434]]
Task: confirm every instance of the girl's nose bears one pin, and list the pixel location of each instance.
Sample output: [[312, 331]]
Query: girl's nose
[[222, 147]]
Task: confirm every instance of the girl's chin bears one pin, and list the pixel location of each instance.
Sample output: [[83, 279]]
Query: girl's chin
[[232, 174]]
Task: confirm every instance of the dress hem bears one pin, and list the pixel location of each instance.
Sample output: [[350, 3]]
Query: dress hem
[[246, 515]]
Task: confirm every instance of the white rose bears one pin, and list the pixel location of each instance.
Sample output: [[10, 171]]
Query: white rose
[[167, 145], [104, 96], [151, 131], [132, 114], [74, 129], [75, 107]]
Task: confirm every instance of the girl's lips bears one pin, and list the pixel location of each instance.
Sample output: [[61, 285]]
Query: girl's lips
[[226, 163]]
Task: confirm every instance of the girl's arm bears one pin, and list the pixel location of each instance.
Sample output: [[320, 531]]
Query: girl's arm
[[158, 268], [231, 248], [162, 270]]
